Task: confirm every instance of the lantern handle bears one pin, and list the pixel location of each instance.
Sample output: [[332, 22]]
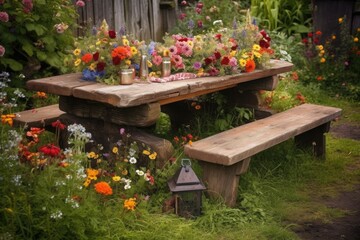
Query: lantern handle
[[185, 162]]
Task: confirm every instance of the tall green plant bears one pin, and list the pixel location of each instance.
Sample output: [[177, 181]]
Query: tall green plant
[[35, 34], [282, 15]]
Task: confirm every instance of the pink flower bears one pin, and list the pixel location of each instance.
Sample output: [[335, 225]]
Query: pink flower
[[2, 51], [182, 16], [157, 60], [28, 5], [186, 50], [173, 50], [177, 60], [4, 17], [80, 3], [233, 62]]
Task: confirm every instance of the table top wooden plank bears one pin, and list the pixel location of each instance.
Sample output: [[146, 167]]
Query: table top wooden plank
[[141, 93], [236, 144]]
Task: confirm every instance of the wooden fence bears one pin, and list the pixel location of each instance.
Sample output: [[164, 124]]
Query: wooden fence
[[143, 19]]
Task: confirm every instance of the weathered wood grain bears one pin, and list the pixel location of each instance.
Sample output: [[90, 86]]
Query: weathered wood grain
[[141, 116], [234, 145], [141, 93]]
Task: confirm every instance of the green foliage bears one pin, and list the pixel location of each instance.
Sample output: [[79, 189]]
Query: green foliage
[[30, 42], [285, 16]]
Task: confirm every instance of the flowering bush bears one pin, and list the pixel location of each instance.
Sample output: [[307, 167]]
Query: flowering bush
[[29, 43], [333, 64]]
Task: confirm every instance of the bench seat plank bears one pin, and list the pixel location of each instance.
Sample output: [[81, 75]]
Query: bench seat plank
[[39, 117], [234, 145]]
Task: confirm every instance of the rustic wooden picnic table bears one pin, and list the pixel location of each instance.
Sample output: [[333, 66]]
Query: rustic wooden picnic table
[[103, 108]]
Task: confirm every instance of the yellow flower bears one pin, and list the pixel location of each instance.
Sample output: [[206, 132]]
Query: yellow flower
[[166, 52], [340, 20], [128, 62], [115, 150], [98, 42], [77, 62], [242, 62], [91, 155], [256, 47], [130, 204], [198, 38], [320, 47], [87, 182], [190, 43], [322, 60], [92, 173], [333, 37], [200, 72], [322, 52], [153, 156], [133, 50], [92, 66], [257, 54], [356, 39], [116, 178], [125, 42], [77, 52], [146, 152], [149, 63], [124, 172], [232, 53], [153, 74]]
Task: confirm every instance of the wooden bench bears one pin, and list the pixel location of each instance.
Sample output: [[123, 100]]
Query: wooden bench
[[226, 155], [39, 117]]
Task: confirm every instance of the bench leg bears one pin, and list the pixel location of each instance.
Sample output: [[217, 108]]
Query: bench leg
[[224, 180], [314, 139]]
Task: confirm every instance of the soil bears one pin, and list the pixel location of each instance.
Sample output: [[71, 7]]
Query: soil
[[343, 228]]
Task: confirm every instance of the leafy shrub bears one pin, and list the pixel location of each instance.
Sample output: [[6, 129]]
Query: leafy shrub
[[35, 34]]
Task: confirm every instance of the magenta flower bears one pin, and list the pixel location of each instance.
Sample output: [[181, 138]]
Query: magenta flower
[[4, 17], [80, 3], [2, 51], [186, 50], [197, 65], [28, 5]]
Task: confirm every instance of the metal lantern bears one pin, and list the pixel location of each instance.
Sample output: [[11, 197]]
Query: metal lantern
[[187, 191]]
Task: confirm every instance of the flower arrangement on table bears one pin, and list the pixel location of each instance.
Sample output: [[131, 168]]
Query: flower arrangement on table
[[105, 53], [242, 48]]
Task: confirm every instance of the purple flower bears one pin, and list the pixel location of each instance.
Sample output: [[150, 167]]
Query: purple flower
[[90, 75], [197, 65], [4, 17], [2, 51], [122, 131], [191, 24]]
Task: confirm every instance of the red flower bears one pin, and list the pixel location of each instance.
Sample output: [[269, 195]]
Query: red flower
[[58, 124], [318, 33], [310, 34], [50, 149], [250, 65], [225, 61], [96, 56], [218, 36], [87, 57], [305, 40], [112, 34], [100, 66], [217, 55], [207, 61]]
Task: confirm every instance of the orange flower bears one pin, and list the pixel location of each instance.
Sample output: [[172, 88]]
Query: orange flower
[[103, 188], [130, 204], [41, 95], [319, 78], [87, 57], [121, 52], [250, 65], [8, 119]]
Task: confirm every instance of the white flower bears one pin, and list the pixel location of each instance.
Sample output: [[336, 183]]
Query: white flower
[[127, 186], [139, 172], [132, 160]]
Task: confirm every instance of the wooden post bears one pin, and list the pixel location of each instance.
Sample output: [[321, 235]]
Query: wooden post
[[314, 139], [223, 181]]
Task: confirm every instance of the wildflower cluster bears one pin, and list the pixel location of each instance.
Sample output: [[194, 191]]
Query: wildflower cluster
[[332, 62], [105, 53]]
